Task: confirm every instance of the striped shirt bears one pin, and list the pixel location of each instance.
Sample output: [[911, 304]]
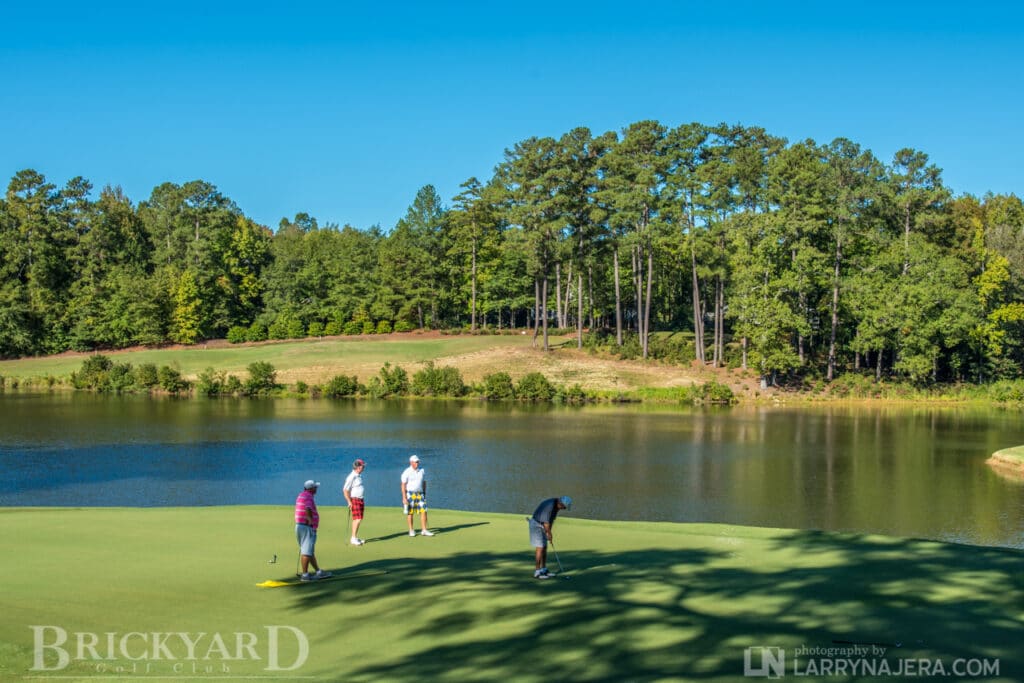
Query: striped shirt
[[305, 500]]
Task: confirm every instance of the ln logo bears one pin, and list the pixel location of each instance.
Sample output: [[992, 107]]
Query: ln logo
[[764, 661]]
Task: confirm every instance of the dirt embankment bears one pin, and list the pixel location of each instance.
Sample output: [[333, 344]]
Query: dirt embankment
[[563, 364]]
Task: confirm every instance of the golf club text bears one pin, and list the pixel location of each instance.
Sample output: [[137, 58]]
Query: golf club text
[[54, 648]]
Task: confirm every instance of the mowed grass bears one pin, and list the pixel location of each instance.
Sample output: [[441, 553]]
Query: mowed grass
[[330, 353], [645, 601]]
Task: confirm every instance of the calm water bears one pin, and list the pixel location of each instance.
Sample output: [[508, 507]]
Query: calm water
[[911, 472]]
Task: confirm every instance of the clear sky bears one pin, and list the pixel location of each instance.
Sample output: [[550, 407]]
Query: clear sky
[[344, 110]]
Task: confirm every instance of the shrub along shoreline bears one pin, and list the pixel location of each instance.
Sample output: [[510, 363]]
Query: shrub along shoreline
[[373, 368], [101, 374]]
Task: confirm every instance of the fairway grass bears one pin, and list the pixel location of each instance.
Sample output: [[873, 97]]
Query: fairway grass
[[644, 601]]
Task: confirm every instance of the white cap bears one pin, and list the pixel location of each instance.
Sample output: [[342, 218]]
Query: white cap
[[567, 502], [310, 484], [414, 458]]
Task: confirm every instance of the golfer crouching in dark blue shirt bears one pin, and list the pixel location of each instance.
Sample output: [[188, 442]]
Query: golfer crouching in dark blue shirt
[[541, 523]]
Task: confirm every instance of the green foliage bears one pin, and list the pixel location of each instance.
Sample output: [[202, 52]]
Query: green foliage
[[232, 386], [716, 392], [316, 329], [771, 250], [146, 376], [434, 381], [631, 348], [390, 381], [675, 348], [1007, 391], [534, 386], [238, 334], [295, 329], [257, 332], [855, 385], [340, 386], [262, 379], [171, 381], [99, 373], [122, 378], [396, 380], [497, 386], [301, 388], [187, 316], [375, 388], [211, 382], [692, 394], [279, 328], [93, 372], [571, 395]]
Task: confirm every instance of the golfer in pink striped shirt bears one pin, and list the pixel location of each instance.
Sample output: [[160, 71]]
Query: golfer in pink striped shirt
[[307, 519]]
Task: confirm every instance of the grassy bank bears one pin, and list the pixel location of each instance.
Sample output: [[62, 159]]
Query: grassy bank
[[645, 601], [316, 362], [1009, 461], [295, 360]]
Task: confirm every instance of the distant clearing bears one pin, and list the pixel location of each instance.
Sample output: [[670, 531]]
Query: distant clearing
[[315, 361]]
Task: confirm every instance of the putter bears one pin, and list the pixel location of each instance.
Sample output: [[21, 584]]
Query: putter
[[349, 541], [561, 570]]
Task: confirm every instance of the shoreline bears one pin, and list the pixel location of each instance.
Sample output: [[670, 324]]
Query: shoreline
[[648, 396], [304, 368], [1008, 462]]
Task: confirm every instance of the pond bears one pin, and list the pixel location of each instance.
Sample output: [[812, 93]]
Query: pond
[[916, 472]]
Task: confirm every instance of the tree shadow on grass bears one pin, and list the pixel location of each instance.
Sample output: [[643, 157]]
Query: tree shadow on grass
[[655, 614]]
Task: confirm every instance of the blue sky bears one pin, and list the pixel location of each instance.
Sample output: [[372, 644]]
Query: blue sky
[[345, 110]]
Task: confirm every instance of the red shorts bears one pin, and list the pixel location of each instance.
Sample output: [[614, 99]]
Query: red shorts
[[357, 508]]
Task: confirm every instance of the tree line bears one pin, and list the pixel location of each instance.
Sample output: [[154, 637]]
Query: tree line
[[794, 259]]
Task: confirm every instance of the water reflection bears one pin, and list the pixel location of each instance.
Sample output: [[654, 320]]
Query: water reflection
[[909, 472]]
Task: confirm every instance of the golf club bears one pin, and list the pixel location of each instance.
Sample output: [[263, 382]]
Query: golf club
[[349, 541], [561, 570]]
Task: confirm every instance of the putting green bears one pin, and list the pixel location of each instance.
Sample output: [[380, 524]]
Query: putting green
[[157, 593]]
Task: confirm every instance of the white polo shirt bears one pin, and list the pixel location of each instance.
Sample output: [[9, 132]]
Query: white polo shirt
[[413, 479], [354, 484]]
